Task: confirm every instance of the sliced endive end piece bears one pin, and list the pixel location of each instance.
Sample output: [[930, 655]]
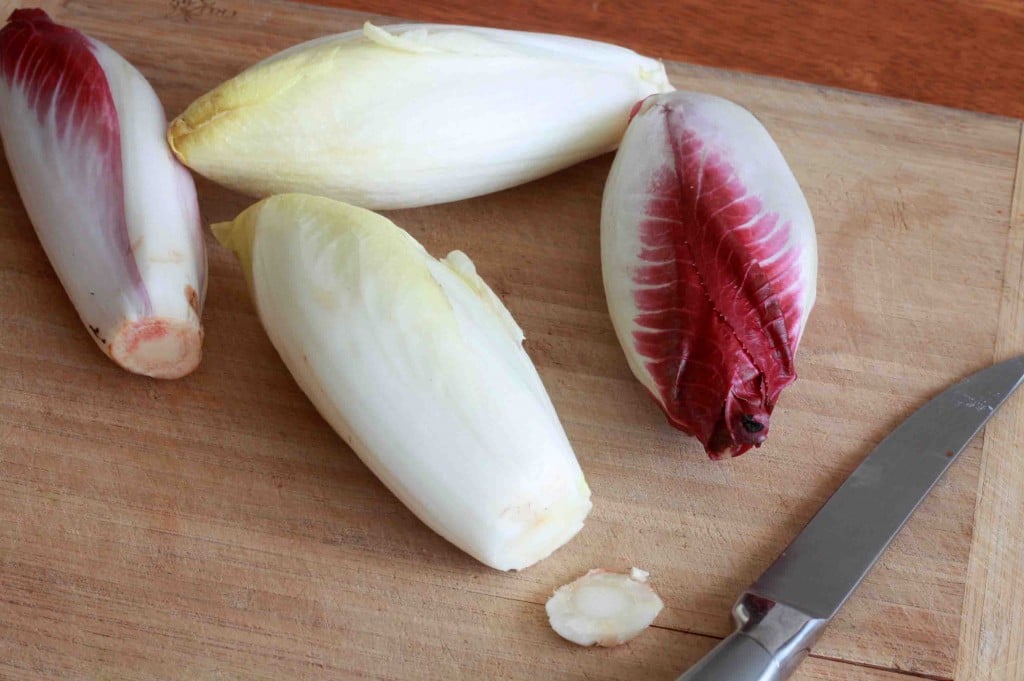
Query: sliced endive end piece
[[116, 214], [709, 260], [420, 368], [409, 115], [604, 608]]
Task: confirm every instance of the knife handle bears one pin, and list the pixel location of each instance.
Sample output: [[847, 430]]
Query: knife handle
[[769, 643], [737, 658]]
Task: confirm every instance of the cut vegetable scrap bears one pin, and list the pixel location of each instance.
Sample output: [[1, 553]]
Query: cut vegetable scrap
[[604, 608]]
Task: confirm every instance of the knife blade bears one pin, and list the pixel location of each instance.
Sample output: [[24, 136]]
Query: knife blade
[[786, 609]]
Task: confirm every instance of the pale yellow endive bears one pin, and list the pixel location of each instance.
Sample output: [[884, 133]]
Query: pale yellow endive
[[420, 368], [412, 115]]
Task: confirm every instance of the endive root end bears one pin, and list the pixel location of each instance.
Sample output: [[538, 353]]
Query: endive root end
[[158, 347], [604, 608]]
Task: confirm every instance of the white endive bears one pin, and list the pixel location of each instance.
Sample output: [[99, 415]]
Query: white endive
[[84, 134], [410, 115], [420, 368]]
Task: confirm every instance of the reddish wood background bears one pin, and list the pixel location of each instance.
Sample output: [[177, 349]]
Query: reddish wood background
[[967, 54]]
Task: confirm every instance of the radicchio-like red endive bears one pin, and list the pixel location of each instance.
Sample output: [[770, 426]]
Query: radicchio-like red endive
[[709, 264], [57, 71], [83, 132]]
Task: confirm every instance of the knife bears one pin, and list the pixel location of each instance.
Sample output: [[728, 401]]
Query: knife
[[786, 609]]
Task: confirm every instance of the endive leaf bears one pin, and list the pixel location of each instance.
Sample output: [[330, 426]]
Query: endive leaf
[[60, 122]]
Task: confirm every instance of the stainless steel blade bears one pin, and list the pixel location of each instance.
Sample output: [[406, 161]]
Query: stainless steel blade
[[828, 559]]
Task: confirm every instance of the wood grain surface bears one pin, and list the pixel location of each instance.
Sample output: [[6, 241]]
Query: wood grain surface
[[216, 528], [995, 580], [960, 53]]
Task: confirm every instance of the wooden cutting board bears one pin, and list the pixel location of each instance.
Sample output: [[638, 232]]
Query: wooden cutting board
[[216, 528]]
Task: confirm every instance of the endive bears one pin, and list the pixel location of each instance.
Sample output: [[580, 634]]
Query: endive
[[710, 264], [410, 115], [420, 368], [116, 214]]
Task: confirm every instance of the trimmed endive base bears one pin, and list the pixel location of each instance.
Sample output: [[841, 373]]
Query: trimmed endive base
[[420, 368], [604, 608], [158, 347]]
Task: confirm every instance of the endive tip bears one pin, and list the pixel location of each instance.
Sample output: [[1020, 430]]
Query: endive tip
[[177, 130], [658, 77], [189, 124], [159, 347], [235, 235], [223, 232], [29, 14]]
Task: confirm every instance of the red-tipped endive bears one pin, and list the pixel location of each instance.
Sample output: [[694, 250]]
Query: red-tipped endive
[[710, 264], [421, 370], [84, 135], [410, 115]]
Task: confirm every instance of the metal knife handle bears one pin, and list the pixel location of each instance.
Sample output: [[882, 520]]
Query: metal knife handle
[[770, 642], [737, 658]]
